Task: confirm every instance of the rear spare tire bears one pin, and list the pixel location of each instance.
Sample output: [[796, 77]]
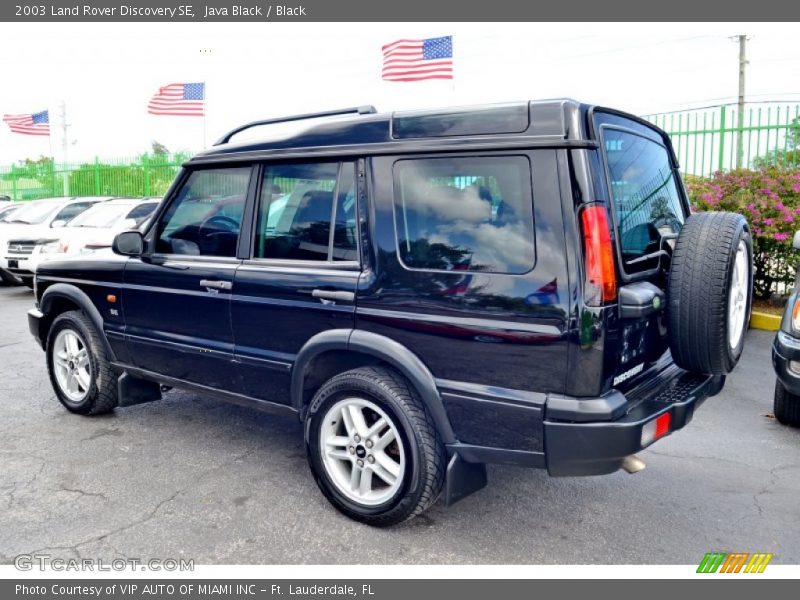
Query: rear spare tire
[[709, 292]]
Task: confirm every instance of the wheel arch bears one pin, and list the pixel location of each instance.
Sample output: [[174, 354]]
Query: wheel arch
[[62, 297], [348, 348]]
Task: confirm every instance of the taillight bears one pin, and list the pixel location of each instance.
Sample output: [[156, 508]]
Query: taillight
[[656, 429], [601, 279]]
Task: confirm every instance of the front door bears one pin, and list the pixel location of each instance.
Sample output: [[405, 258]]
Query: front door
[[177, 296]]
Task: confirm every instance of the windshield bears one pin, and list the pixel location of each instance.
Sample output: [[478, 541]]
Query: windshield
[[645, 194], [34, 213], [6, 212], [102, 215]]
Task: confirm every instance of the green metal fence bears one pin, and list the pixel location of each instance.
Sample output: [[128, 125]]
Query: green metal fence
[[721, 138], [140, 176], [705, 141]]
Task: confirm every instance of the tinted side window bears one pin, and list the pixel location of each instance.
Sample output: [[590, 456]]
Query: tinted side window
[[204, 219], [298, 204], [68, 213], [465, 214], [345, 231], [645, 195], [141, 212]]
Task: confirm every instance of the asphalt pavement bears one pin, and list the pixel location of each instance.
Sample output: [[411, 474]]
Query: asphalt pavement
[[193, 477]]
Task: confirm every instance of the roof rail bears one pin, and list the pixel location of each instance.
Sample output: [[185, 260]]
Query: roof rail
[[361, 110]]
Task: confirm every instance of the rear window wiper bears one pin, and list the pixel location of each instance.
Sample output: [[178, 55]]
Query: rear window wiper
[[646, 257], [657, 254]]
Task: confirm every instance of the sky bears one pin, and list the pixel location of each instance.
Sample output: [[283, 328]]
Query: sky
[[105, 73]]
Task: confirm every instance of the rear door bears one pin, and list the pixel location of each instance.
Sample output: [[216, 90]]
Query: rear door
[[302, 272], [177, 297], [648, 207]]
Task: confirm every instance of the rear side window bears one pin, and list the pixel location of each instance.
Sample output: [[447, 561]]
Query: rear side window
[[308, 212], [71, 211], [645, 194], [141, 212], [465, 214]]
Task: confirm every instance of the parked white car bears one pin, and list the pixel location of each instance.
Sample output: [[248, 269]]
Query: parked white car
[[94, 229], [36, 223]]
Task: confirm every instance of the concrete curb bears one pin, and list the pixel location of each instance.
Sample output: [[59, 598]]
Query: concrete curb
[[765, 321]]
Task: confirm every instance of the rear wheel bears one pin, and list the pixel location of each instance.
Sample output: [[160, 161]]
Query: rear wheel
[[709, 292], [373, 449], [786, 406]]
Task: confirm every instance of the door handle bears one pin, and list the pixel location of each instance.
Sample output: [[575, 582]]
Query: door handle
[[216, 285], [333, 296]]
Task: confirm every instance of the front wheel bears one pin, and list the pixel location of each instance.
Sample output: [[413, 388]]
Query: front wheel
[[9, 278], [79, 369], [786, 406], [372, 447]]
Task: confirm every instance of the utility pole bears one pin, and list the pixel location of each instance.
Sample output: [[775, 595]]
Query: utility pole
[[740, 112], [64, 146]]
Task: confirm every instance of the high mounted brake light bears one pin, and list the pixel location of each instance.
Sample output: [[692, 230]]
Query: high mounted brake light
[[601, 279]]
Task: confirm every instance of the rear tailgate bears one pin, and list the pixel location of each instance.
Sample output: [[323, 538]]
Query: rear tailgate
[[648, 209]]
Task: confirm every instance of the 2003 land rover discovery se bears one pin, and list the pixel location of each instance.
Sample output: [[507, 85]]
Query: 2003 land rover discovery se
[[426, 291]]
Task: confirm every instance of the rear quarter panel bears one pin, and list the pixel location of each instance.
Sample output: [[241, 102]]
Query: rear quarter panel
[[490, 343]]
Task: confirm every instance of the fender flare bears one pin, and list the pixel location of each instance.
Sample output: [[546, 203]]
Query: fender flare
[[384, 349], [79, 297]]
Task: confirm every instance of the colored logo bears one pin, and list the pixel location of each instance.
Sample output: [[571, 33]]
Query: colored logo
[[735, 562]]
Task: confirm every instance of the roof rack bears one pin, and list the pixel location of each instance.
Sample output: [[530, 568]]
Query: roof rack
[[361, 110]]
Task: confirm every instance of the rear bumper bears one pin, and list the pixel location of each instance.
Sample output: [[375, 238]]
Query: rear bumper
[[578, 446], [786, 349]]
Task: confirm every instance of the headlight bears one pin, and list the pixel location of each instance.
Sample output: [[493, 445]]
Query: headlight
[[54, 247]]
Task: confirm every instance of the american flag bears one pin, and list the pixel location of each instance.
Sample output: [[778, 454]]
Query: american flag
[[179, 100], [415, 60], [29, 124]]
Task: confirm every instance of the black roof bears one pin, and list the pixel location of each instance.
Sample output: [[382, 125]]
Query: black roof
[[519, 124]]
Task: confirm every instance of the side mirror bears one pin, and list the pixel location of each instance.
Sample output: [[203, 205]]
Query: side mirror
[[58, 224], [128, 243], [796, 240]]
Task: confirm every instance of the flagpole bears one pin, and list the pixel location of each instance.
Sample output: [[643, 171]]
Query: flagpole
[[64, 148], [50, 139], [453, 74], [205, 112]]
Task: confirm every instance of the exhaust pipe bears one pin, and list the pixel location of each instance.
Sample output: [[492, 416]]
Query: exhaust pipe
[[633, 464]]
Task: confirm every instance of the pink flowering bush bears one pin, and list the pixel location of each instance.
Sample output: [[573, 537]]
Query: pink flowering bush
[[769, 199]]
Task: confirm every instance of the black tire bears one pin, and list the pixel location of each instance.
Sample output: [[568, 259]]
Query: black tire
[[27, 282], [698, 292], [102, 392], [786, 406], [9, 278], [423, 476]]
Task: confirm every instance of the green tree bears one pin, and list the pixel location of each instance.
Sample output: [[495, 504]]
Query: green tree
[[790, 156]]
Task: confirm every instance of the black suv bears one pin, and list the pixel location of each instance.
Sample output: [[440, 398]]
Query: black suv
[[426, 291]]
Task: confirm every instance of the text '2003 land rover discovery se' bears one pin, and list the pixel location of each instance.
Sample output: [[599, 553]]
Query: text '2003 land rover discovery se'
[[426, 291]]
